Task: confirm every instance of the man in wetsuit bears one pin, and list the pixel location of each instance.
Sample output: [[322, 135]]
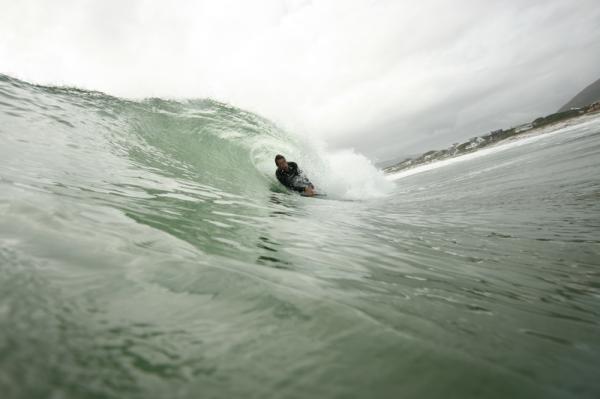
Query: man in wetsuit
[[292, 177]]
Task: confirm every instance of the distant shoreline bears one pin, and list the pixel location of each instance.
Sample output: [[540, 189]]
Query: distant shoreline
[[539, 126], [557, 128]]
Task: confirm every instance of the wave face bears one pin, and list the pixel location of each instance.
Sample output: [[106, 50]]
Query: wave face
[[146, 250]]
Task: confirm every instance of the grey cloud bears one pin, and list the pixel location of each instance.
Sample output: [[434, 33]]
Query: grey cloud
[[384, 77]]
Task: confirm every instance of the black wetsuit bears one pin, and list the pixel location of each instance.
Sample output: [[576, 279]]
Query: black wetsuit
[[293, 179]]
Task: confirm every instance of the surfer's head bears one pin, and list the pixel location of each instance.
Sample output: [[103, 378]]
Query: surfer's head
[[281, 162]]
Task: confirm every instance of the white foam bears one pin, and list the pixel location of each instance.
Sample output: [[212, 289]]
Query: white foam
[[341, 174], [347, 174]]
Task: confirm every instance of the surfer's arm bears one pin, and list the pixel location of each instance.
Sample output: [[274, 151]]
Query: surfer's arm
[[282, 180], [286, 183], [299, 189]]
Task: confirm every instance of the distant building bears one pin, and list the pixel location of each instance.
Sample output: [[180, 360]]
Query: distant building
[[474, 142], [524, 127]]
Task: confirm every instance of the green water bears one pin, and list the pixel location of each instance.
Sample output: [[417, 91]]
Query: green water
[[146, 251]]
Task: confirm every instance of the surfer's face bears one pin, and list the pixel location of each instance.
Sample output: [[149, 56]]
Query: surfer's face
[[282, 164]]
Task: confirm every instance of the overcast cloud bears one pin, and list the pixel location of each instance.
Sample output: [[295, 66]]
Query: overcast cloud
[[387, 78]]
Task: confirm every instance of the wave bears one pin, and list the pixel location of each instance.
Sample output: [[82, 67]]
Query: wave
[[204, 141]]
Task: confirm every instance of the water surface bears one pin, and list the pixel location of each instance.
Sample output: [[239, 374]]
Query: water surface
[[146, 251]]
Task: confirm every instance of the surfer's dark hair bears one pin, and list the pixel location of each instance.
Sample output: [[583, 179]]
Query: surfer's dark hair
[[278, 157]]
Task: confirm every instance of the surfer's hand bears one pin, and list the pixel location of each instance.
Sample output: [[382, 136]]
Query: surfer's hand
[[309, 191]]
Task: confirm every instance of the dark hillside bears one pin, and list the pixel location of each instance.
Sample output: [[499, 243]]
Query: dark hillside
[[587, 96]]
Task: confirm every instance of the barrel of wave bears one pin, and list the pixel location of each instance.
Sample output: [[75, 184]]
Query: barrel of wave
[[205, 142], [218, 140]]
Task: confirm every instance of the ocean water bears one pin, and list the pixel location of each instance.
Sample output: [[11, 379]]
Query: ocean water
[[147, 251]]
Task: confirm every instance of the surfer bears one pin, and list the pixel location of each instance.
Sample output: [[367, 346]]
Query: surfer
[[292, 177]]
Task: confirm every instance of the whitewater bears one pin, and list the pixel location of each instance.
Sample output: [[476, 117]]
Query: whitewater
[[147, 251]]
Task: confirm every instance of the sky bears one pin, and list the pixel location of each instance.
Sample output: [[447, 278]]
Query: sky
[[386, 78]]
